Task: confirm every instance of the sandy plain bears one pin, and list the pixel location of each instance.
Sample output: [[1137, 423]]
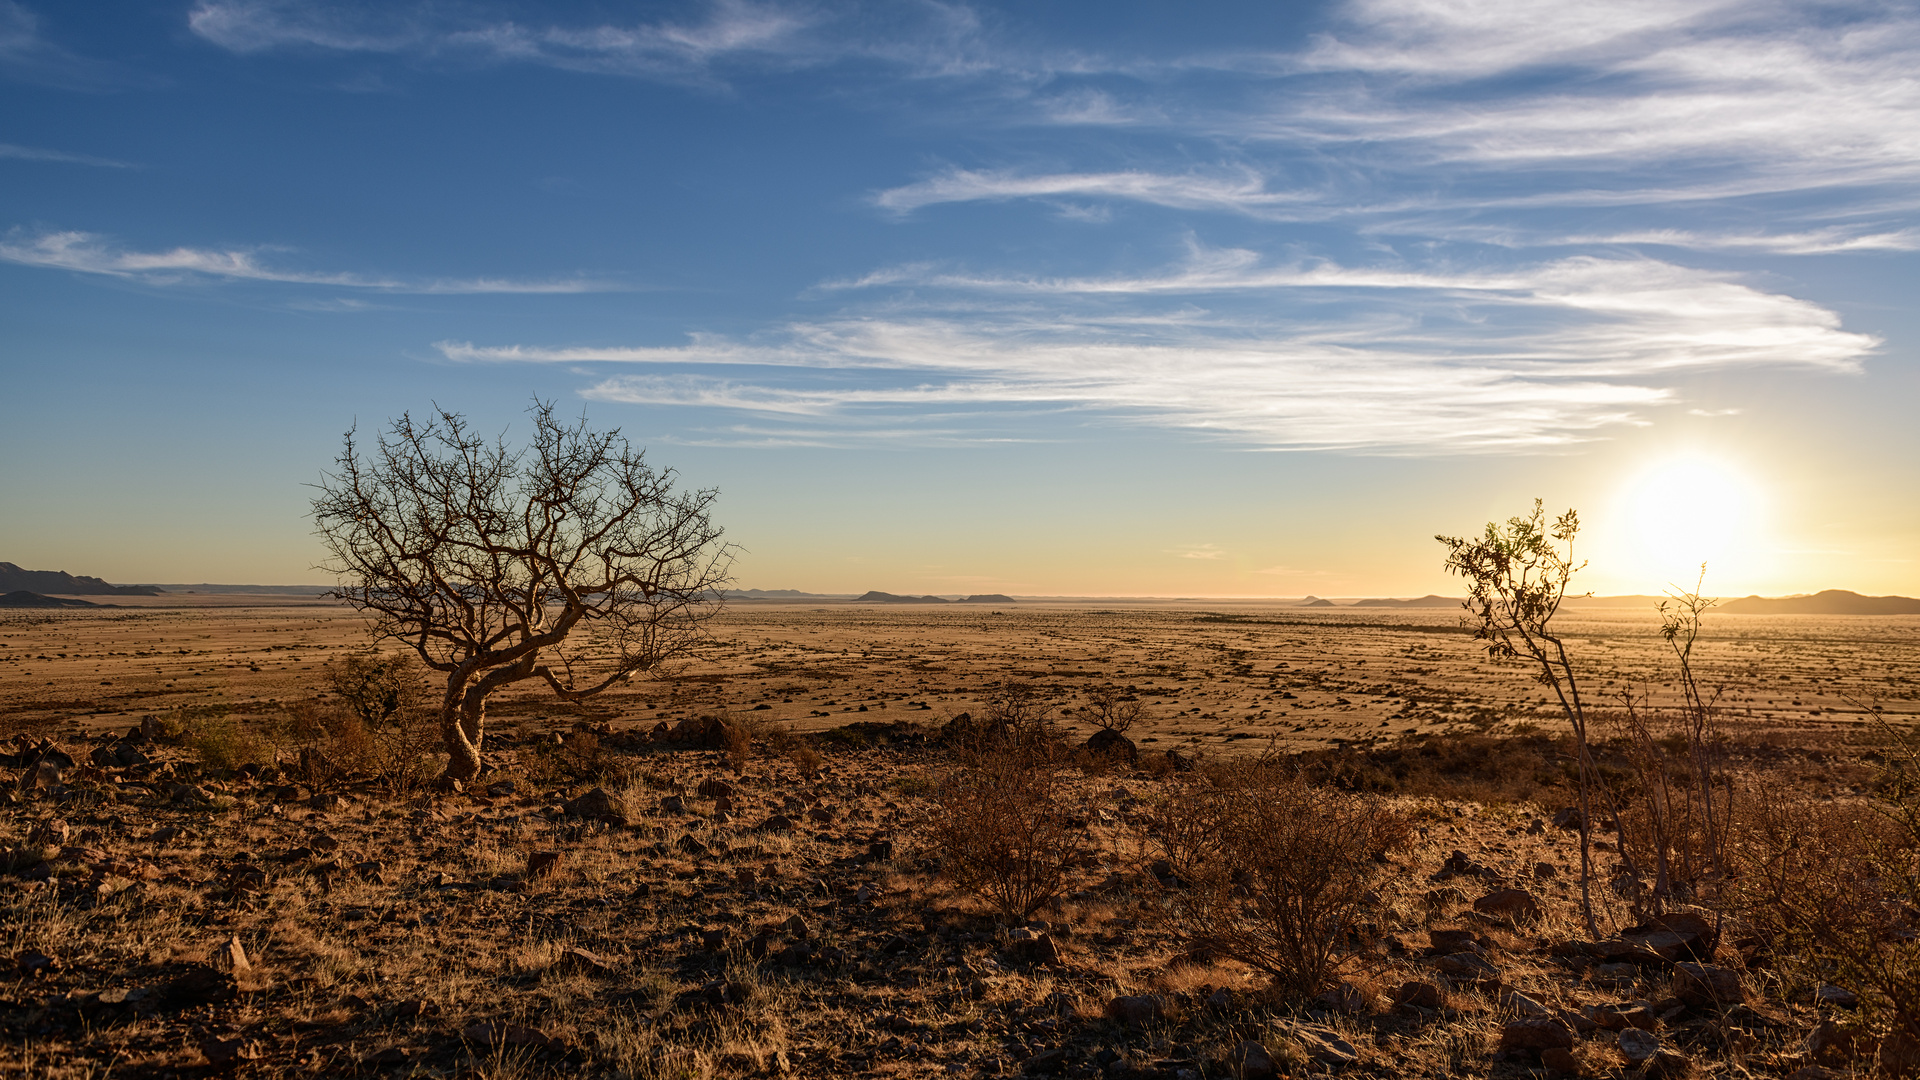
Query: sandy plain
[[1216, 674]]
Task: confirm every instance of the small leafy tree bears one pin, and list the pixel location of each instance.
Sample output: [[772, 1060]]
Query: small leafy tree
[[1517, 576], [571, 561]]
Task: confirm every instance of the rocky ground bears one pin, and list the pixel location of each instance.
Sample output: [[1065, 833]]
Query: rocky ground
[[648, 911]]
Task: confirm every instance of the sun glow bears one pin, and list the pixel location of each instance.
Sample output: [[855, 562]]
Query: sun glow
[[1686, 511]]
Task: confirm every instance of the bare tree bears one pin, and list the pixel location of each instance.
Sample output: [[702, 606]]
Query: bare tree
[[571, 561]]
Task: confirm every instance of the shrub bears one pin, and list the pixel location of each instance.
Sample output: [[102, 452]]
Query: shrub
[[806, 760], [1003, 832], [224, 744], [1835, 886], [1266, 868], [1110, 708]]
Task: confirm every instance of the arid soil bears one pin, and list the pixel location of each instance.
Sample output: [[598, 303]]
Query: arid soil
[[788, 918]]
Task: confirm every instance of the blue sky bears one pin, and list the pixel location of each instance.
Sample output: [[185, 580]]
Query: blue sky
[[1042, 298]]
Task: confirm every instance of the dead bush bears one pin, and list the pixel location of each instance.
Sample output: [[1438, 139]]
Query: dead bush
[[806, 760], [1111, 708], [375, 723], [1834, 888], [1002, 830], [224, 744], [1262, 866]]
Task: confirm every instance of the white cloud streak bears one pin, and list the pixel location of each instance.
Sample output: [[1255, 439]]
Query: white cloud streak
[[88, 253], [34, 153], [1549, 355]]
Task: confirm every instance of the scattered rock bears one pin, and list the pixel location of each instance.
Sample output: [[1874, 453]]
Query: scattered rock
[[796, 926], [1136, 1010], [1030, 947], [1453, 941], [1324, 1045], [1561, 1060], [715, 789], [598, 805], [231, 956], [1250, 1060], [578, 961], [1515, 905], [776, 823], [1536, 1035], [1707, 986], [692, 845], [1900, 1052], [1838, 996], [33, 963], [1466, 965], [1420, 995], [1046, 1062], [1111, 744], [415, 1007], [227, 1053], [674, 804], [1637, 1047], [1568, 819], [1622, 1017], [542, 864]]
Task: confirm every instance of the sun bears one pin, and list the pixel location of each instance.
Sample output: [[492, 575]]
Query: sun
[[1690, 510]]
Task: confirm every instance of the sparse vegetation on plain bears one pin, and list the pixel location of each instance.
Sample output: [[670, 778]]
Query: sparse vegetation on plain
[[672, 881]]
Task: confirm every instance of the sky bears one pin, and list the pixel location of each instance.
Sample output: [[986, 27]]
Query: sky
[[1044, 298]]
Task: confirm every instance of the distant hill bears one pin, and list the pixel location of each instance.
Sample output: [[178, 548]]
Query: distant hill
[[243, 590], [986, 598], [878, 597], [1314, 601], [1429, 600], [25, 599], [1830, 602], [61, 583]]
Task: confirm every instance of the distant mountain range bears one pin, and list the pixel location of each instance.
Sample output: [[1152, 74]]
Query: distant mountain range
[[61, 583], [1830, 602], [878, 597], [21, 598], [1429, 600]]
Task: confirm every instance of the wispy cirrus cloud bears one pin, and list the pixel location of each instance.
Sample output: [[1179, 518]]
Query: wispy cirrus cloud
[[35, 153], [26, 54], [1406, 360], [1242, 191], [89, 253]]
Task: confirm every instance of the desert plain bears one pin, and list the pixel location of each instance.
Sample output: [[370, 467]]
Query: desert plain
[[782, 910]]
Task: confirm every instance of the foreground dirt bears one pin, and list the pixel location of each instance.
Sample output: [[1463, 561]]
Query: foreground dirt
[[161, 919]]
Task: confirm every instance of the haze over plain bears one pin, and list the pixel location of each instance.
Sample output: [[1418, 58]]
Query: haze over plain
[[1088, 299]]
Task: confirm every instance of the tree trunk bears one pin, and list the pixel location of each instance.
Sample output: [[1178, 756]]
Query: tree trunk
[[461, 725]]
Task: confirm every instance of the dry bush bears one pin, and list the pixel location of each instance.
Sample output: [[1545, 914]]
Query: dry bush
[[224, 744], [1834, 887], [1111, 708], [1002, 830], [1263, 866], [806, 760], [377, 723], [736, 741]]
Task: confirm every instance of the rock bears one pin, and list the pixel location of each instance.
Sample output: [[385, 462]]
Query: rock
[[33, 963], [582, 962], [1622, 1017], [1832, 1044], [226, 1053], [1536, 1035], [1707, 986], [1617, 970], [1515, 905], [723, 806], [1111, 744], [1453, 941], [500, 789], [53, 832], [1033, 948], [1136, 1010], [1046, 1062], [820, 815], [598, 805], [231, 956], [1900, 1052], [1250, 1061], [1545, 871], [1568, 819], [1324, 1045], [1466, 965], [715, 789], [692, 845], [1838, 996], [674, 804], [1668, 1064], [1420, 995], [542, 864], [413, 1008], [1346, 998], [796, 926], [776, 823], [1815, 1072], [1561, 1060], [1523, 1006], [1637, 1047]]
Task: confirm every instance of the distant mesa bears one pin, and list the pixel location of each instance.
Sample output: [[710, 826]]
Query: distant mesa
[[1314, 601], [60, 583], [1830, 602], [1429, 600], [21, 598], [878, 597]]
